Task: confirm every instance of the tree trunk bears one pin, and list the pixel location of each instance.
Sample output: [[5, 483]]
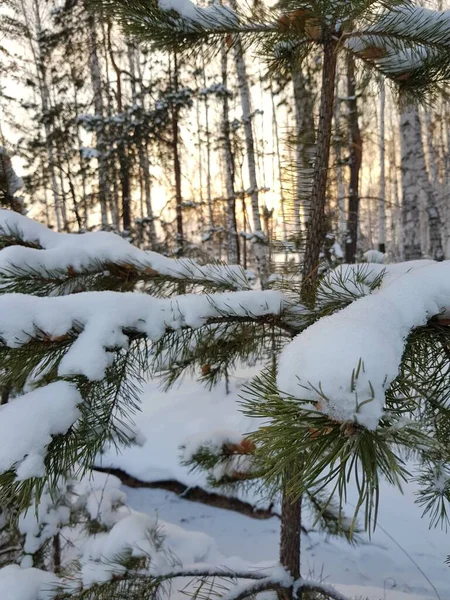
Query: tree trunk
[[122, 151], [316, 222], [416, 183], [340, 185], [382, 192], [304, 139], [290, 544], [233, 254], [355, 163], [208, 153], [259, 240], [177, 165], [96, 82], [45, 105]]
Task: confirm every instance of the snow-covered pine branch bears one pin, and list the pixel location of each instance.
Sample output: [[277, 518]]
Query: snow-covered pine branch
[[31, 251], [100, 322], [363, 344]]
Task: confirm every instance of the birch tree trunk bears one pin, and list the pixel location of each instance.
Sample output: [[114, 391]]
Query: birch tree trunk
[[122, 151], [342, 222], [144, 162], [96, 82], [304, 123], [259, 239], [416, 184], [44, 94], [233, 254], [177, 164], [382, 192]]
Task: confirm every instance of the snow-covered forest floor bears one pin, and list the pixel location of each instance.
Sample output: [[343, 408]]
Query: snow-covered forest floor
[[403, 559]]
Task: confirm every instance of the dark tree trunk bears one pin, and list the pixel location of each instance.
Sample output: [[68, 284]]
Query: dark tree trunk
[[316, 224], [290, 537], [355, 164]]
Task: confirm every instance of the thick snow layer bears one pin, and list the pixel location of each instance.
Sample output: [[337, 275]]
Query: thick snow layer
[[28, 422], [104, 315], [370, 334], [62, 251], [377, 568], [26, 584]]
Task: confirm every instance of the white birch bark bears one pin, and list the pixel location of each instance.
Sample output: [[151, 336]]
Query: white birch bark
[[233, 241], [416, 185], [96, 81], [410, 186], [342, 218], [260, 247], [302, 170], [44, 99]]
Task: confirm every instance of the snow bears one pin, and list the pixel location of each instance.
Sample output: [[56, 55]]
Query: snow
[[104, 315], [376, 569], [42, 524], [428, 27], [63, 251], [37, 415], [214, 15], [26, 584], [374, 256], [15, 183], [199, 536], [367, 338], [213, 439]]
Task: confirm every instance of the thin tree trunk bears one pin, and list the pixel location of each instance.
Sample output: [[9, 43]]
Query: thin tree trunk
[[208, 153], [96, 82], [259, 240], [355, 163], [382, 192], [122, 153], [316, 222], [45, 104], [276, 138], [304, 138], [290, 540], [233, 254], [342, 224], [177, 165], [415, 182]]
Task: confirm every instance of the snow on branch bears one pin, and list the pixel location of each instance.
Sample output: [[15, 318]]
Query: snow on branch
[[100, 321], [345, 362], [44, 251], [28, 423]]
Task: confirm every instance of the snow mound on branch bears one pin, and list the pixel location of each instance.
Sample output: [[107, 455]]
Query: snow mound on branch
[[63, 251], [26, 584], [37, 415], [103, 316], [374, 256], [348, 360], [140, 536], [214, 440], [210, 16]]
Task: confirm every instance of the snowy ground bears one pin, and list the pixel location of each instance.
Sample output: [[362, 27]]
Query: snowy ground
[[404, 559]]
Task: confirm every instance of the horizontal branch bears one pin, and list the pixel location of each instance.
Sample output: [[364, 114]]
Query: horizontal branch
[[32, 251], [94, 323]]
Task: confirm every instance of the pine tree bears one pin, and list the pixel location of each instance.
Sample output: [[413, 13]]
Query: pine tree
[[344, 416]]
